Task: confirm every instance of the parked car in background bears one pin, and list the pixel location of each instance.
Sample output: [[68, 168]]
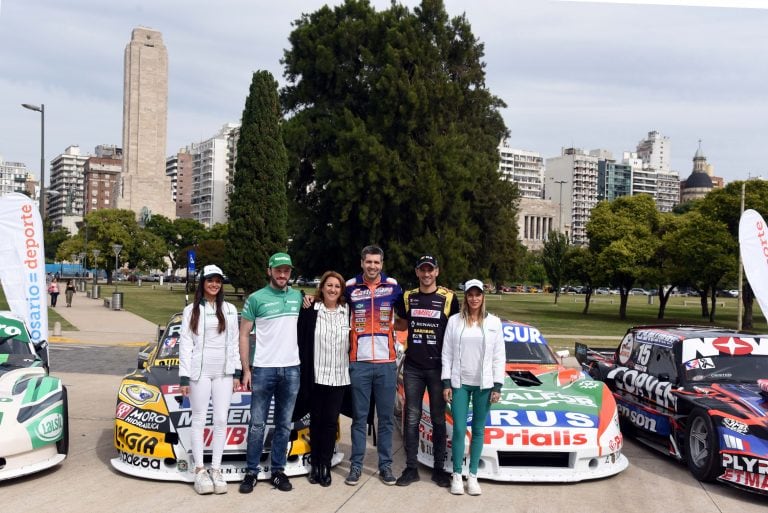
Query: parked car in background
[[602, 290], [637, 291]]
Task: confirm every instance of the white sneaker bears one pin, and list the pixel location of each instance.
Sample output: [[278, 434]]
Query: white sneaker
[[203, 483], [219, 484], [457, 485], [473, 488]]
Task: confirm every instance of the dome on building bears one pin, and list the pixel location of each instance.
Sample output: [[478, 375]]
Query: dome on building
[[698, 180]]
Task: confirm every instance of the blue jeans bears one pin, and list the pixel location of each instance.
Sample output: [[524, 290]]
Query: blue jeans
[[415, 381], [377, 379], [282, 383]]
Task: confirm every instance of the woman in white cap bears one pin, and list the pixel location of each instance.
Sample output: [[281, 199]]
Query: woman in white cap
[[209, 358], [473, 370]]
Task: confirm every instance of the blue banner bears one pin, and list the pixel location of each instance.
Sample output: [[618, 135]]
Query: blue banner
[[190, 262]]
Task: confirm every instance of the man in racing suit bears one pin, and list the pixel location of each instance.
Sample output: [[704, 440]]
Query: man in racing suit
[[424, 311], [372, 370]]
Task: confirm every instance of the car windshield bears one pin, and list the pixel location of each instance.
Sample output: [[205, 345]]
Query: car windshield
[[726, 368], [169, 342], [13, 345], [521, 352]]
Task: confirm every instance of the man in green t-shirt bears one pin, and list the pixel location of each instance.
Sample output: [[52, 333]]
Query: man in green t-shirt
[[273, 370]]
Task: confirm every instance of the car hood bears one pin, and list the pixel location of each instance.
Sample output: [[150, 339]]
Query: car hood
[[549, 396], [747, 396]]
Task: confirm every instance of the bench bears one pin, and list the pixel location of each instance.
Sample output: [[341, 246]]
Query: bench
[[108, 302], [234, 295]]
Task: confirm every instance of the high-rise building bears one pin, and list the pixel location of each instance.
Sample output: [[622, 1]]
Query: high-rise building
[[655, 151], [179, 168], [212, 170], [14, 177], [573, 187], [65, 196], [525, 168], [145, 188], [102, 178]]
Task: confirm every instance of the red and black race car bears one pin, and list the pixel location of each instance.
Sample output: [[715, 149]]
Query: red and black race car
[[699, 394]]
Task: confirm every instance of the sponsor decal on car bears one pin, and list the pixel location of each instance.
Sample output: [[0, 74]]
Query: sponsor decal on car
[[129, 438], [656, 338], [540, 418], [139, 394], [745, 470], [139, 461], [146, 419], [625, 349], [735, 425], [658, 424], [702, 347], [734, 442], [526, 334], [50, 427], [536, 437], [542, 399], [643, 385]]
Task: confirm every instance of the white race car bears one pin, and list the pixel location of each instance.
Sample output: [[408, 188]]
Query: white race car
[[33, 405]]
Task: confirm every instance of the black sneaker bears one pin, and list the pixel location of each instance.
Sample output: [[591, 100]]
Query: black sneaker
[[441, 477], [280, 481], [353, 477], [249, 481], [387, 477], [409, 475]]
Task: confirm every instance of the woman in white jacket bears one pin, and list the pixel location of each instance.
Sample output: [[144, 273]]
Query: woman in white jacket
[[209, 359], [473, 358]]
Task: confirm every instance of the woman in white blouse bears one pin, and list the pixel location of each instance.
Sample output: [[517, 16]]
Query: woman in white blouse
[[209, 358], [324, 350], [473, 370]]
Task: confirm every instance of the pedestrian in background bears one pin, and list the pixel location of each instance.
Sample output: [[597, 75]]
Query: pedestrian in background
[[53, 290], [69, 292], [209, 359], [323, 332], [473, 362]]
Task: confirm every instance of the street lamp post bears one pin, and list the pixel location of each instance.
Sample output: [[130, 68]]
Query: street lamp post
[[95, 264], [116, 248], [41, 110], [82, 266], [560, 201], [74, 260]]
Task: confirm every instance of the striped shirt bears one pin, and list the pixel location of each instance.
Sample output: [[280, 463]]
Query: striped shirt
[[331, 358]]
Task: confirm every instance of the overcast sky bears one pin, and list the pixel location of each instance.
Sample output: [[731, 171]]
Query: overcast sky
[[584, 74]]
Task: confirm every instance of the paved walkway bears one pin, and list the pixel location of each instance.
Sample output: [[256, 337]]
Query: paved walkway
[[100, 325]]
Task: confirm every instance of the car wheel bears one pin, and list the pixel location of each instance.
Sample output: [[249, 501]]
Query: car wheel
[[702, 447], [62, 446]]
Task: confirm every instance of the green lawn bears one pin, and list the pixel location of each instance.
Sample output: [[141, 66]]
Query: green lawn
[[52, 315], [564, 320]]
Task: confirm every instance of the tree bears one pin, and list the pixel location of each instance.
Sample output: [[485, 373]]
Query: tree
[[52, 239], [622, 235], [580, 265], [392, 140], [179, 235], [724, 205], [554, 259], [706, 252], [258, 204], [140, 248]]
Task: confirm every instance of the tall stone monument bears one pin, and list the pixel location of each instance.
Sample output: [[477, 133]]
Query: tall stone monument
[[145, 188]]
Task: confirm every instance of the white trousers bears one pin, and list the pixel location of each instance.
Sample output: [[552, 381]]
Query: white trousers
[[219, 389]]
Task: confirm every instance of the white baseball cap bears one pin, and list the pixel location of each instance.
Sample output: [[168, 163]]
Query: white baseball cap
[[473, 283], [212, 270]]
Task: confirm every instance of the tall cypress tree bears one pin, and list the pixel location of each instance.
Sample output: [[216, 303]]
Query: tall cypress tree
[[257, 204]]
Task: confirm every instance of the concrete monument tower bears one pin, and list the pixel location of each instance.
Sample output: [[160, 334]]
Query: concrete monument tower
[[145, 188]]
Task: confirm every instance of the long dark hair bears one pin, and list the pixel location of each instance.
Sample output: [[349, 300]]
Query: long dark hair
[[200, 300]]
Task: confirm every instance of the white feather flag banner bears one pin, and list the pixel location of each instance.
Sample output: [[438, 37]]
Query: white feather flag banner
[[22, 262], [753, 244]]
